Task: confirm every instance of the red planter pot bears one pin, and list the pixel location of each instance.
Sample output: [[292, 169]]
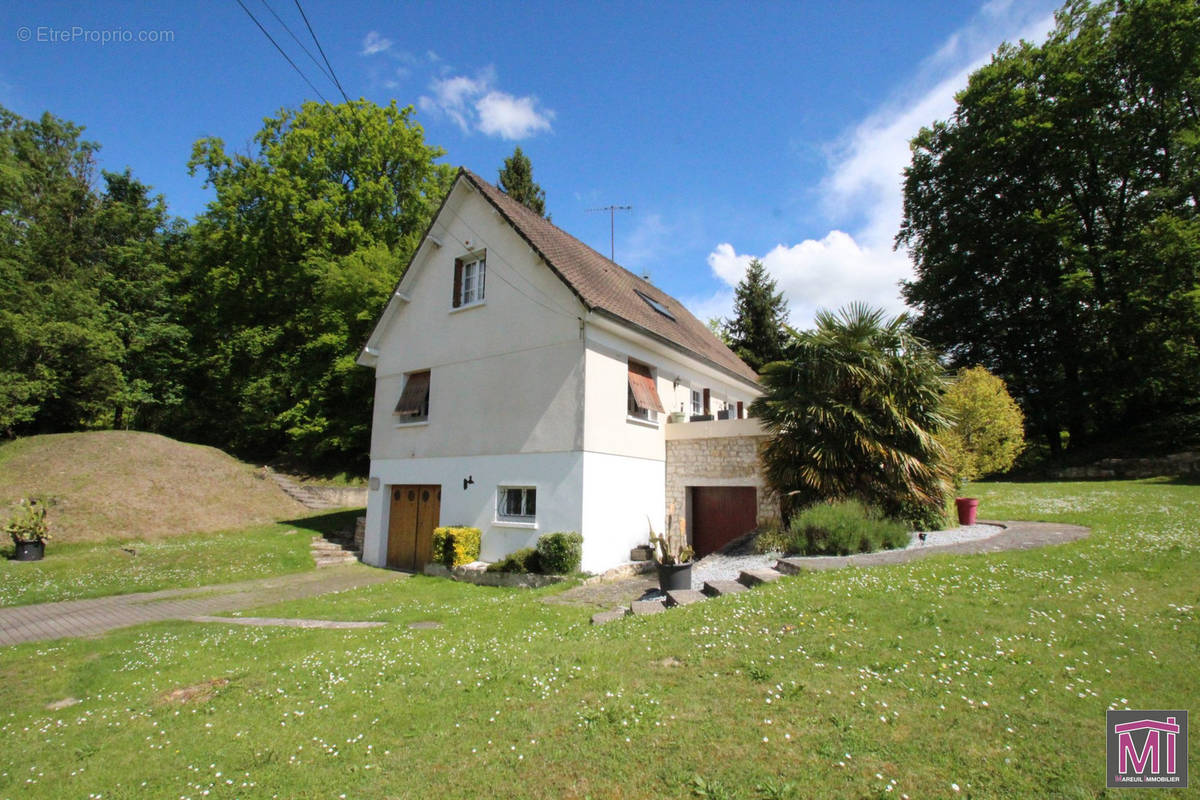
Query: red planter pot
[[968, 507]]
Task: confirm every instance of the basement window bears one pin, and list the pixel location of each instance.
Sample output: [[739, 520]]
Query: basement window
[[516, 504]]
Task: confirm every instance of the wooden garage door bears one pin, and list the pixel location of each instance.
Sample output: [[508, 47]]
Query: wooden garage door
[[414, 515], [720, 514]]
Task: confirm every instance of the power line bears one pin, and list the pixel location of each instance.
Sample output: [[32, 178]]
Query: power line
[[321, 50], [299, 44], [281, 52]]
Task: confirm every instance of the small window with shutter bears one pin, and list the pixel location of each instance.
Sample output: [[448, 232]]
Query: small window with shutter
[[470, 280], [642, 401], [414, 399]]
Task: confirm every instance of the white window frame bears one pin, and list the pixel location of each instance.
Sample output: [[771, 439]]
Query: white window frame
[[697, 398], [473, 290], [523, 520]]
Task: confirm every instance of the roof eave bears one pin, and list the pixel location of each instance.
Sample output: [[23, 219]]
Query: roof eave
[[687, 351]]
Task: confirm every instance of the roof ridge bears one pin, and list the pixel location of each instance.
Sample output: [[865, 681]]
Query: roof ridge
[[602, 284]]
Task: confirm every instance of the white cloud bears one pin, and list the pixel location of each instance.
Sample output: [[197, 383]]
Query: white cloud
[[862, 188], [509, 117], [374, 43], [474, 104]]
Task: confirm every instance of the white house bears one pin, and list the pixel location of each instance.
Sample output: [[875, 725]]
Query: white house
[[522, 386]]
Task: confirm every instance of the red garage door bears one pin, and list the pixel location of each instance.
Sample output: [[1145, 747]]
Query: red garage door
[[721, 514]]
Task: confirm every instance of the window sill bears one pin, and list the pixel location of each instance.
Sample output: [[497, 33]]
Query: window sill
[[415, 424], [468, 306], [645, 423], [512, 523]]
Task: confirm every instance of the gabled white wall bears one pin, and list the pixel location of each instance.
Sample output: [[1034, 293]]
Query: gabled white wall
[[507, 375]]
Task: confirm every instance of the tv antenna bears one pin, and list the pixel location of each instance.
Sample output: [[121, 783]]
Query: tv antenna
[[612, 226]]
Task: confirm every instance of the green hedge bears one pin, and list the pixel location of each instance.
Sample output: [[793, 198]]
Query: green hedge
[[453, 546], [524, 560], [560, 553]]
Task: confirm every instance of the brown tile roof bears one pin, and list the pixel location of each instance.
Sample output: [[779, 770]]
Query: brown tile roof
[[605, 286]]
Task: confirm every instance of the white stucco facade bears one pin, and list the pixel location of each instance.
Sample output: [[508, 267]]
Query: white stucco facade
[[527, 388]]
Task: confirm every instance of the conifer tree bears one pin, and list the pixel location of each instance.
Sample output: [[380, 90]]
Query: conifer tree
[[516, 180], [756, 332]]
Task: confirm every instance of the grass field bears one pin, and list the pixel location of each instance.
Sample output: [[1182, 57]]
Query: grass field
[[980, 676], [76, 570]]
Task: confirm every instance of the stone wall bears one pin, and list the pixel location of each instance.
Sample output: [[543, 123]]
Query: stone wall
[[1177, 464], [717, 453]]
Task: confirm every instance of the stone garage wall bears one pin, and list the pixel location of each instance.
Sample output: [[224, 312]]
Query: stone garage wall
[[717, 453]]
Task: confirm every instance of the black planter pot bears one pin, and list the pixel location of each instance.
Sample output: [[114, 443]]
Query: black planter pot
[[674, 576], [30, 551]]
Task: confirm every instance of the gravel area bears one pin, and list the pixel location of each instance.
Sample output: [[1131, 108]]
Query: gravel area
[[717, 567]]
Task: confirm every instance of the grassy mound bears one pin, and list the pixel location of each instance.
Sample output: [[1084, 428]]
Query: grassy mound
[[129, 485]]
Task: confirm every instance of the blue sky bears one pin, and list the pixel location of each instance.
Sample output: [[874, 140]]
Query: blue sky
[[776, 130]]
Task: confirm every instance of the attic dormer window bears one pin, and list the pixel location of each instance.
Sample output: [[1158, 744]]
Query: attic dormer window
[[657, 306], [470, 279]]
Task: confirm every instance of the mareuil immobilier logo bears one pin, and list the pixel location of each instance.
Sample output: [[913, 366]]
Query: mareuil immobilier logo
[[1147, 748]]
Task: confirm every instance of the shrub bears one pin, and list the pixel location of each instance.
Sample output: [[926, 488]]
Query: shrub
[[842, 528], [772, 539], [987, 428], [560, 553], [523, 560], [453, 546]]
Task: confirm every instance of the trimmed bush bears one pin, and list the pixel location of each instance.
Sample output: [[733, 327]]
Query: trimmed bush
[[842, 528], [523, 560], [454, 546], [560, 553]]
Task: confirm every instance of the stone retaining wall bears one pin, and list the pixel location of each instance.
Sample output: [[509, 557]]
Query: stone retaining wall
[[718, 453], [340, 496], [1130, 468]]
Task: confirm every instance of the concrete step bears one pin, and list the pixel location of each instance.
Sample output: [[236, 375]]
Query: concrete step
[[754, 577], [643, 607], [721, 588], [684, 597], [791, 566], [609, 616]]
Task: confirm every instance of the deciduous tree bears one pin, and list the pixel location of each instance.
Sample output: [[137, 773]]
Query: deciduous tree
[[1053, 219]]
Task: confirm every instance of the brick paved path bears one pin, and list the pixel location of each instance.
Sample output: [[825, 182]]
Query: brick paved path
[[101, 614]]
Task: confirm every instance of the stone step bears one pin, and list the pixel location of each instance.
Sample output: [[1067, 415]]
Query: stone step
[[327, 546], [684, 597], [721, 588], [608, 616], [791, 566], [753, 577], [643, 607], [332, 560]]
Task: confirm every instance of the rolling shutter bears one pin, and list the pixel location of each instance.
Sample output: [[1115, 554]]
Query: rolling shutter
[[641, 383]]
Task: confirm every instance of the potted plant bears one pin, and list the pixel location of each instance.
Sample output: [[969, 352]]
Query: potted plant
[[672, 557], [29, 530]]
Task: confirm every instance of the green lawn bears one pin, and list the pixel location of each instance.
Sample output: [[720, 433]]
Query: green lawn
[[75, 570], [980, 676]]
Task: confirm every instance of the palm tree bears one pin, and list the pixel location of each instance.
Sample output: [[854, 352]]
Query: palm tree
[[853, 411]]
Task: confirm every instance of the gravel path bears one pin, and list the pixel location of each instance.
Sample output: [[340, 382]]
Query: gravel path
[[987, 537], [717, 567]]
